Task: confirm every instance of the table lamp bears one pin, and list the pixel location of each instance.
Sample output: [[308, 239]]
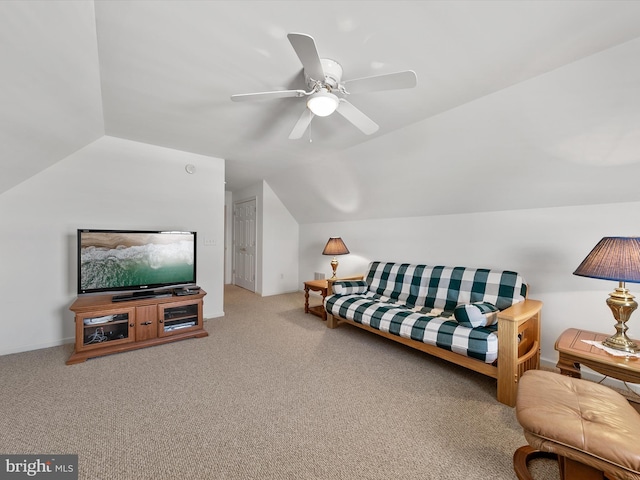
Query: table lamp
[[335, 246], [617, 259]]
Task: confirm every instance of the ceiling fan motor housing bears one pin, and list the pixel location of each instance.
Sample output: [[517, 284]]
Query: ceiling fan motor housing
[[332, 74]]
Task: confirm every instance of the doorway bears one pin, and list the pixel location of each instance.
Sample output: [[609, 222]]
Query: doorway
[[244, 244]]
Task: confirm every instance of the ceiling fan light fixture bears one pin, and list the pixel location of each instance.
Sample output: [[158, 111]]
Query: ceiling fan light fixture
[[322, 103]]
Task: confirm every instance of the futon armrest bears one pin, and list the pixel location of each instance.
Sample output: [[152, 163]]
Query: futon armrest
[[521, 311]]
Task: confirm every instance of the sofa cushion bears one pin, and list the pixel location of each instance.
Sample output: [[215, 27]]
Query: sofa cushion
[[480, 343], [350, 287], [480, 314], [397, 282], [443, 287]]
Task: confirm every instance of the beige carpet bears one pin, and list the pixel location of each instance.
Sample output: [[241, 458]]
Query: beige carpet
[[270, 394]]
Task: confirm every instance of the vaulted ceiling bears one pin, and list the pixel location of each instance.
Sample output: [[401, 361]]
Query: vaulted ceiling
[[519, 104]]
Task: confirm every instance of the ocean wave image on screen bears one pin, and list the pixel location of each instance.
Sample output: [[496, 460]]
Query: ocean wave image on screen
[[149, 264]]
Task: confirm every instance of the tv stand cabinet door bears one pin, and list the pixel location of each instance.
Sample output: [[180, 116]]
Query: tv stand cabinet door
[[94, 334], [179, 317], [146, 322]]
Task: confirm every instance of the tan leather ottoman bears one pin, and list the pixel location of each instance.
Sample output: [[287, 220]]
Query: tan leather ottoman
[[592, 429]]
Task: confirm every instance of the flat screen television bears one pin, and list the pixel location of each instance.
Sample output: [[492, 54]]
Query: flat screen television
[[139, 262]]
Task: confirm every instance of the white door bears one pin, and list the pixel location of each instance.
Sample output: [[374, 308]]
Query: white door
[[244, 244]]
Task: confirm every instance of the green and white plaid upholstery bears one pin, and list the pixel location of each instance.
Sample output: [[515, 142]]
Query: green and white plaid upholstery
[[348, 287], [418, 301], [444, 287], [480, 314]]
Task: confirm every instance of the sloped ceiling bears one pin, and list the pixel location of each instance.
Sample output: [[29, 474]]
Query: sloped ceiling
[[519, 104], [50, 104]]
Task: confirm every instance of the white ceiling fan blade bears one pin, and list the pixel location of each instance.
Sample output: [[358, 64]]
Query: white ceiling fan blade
[[389, 81], [355, 116], [305, 47], [301, 125], [250, 97]]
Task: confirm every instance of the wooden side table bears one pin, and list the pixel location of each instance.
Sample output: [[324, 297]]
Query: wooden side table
[[573, 352], [321, 286]]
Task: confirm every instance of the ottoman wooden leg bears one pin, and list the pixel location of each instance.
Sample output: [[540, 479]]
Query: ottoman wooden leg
[[569, 469], [522, 457], [572, 470]]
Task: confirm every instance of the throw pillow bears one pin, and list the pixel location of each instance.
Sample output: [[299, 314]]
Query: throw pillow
[[350, 287], [481, 314]]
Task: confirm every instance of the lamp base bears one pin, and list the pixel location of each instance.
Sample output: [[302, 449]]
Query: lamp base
[[622, 343], [622, 305], [334, 266]]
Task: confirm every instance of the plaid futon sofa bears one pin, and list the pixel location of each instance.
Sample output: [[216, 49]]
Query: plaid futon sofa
[[453, 308]]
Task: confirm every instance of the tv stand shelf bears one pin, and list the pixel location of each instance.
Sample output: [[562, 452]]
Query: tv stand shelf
[[104, 327]]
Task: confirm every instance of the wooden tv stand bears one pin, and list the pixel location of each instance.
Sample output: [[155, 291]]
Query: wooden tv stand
[[104, 327]]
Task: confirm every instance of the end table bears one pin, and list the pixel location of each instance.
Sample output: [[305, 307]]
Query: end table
[[321, 286], [573, 352]]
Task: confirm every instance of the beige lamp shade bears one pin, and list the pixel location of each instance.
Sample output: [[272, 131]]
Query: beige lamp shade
[[335, 246]]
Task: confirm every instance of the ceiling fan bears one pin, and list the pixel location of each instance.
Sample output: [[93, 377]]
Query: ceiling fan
[[326, 89]]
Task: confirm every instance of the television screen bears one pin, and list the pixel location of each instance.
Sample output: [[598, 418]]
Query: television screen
[[118, 260]]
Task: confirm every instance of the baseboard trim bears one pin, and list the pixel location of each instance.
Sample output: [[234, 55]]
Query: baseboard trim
[[37, 346]]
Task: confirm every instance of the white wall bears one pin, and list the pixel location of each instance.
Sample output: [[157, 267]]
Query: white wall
[[280, 246], [111, 184], [277, 241], [544, 245]]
